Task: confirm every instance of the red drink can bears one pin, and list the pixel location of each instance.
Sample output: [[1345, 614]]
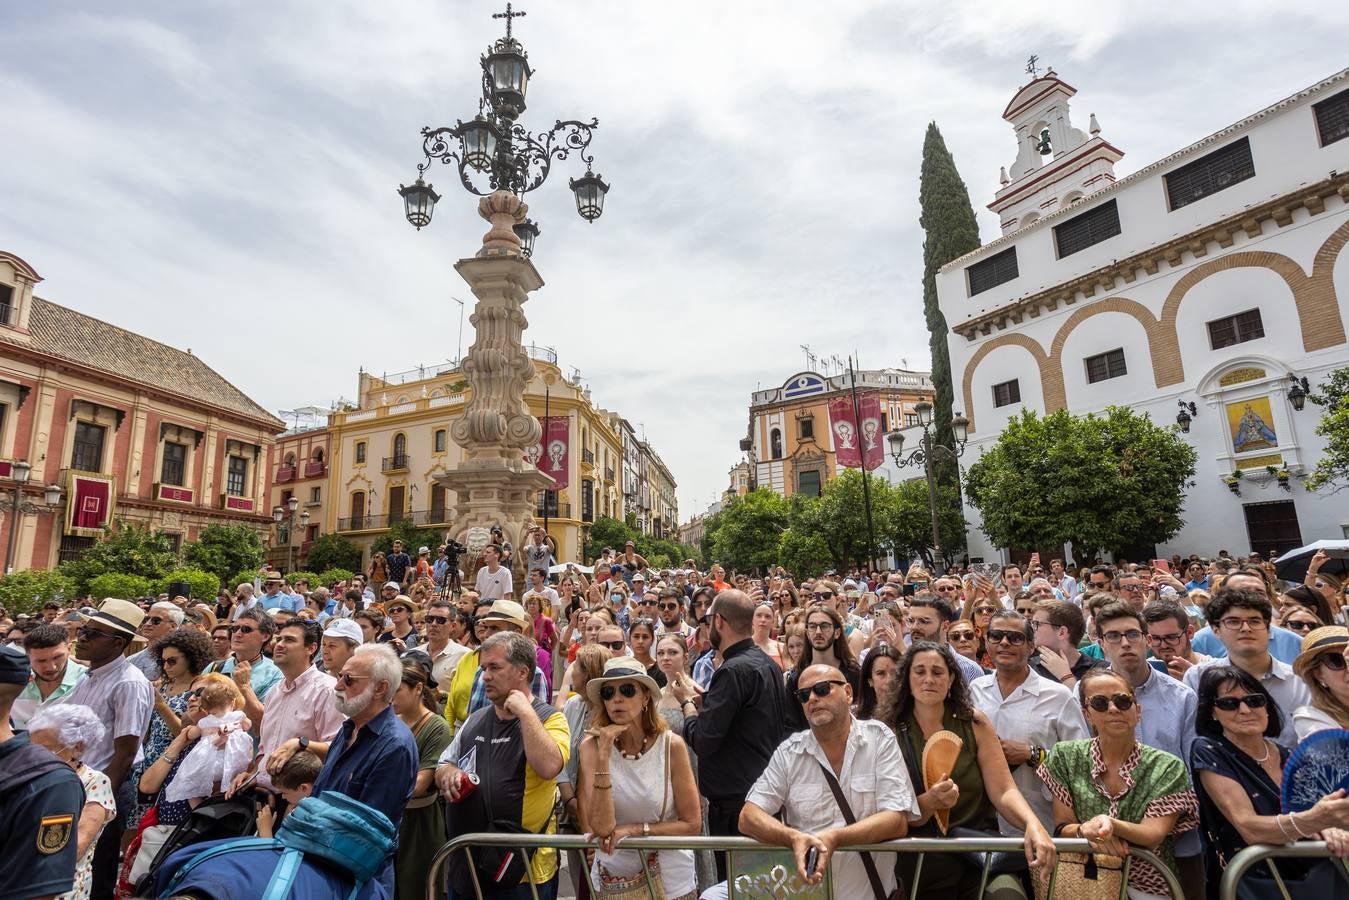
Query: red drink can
[[468, 782]]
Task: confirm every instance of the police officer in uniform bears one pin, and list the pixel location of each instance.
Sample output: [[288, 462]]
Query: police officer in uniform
[[40, 802]]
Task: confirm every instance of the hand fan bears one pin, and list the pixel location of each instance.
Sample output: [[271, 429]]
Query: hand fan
[[939, 758], [1318, 766]]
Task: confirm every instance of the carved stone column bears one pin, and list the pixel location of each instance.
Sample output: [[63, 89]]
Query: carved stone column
[[494, 484]]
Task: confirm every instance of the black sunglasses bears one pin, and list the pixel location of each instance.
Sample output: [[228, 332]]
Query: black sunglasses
[[1101, 702], [437, 620], [666, 607], [156, 620], [627, 689], [819, 689], [242, 629], [1334, 662], [1015, 638], [612, 645], [1252, 701]]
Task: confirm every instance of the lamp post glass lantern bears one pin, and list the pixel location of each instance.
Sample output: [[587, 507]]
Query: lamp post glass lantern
[[927, 452], [20, 472], [493, 144], [527, 231]]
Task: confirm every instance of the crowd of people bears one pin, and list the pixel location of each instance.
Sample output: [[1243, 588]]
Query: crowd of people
[[1149, 705]]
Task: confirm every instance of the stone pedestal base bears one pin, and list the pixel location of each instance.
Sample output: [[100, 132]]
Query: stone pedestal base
[[491, 492]]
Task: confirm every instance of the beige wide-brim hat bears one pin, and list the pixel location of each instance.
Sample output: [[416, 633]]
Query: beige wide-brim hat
[[507, 611], [1320, 642], [121, 616], [401, 600], [620, 668]]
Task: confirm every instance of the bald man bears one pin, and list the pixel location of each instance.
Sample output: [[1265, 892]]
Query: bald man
[[797, 782], [742, 718]]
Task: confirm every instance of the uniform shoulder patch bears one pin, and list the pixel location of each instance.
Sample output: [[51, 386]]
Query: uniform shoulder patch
[[53, 833]]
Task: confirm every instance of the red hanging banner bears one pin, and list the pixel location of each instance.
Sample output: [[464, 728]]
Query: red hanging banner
[[552, 455], [90, 506], [857, 445], [843, 427], [871, 433]]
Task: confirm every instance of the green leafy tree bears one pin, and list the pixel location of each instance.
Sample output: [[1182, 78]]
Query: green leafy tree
[[205, 585], [840, 517], [1102, 482], [127, 550], [910, 535], [411, 536], [804, 553], [333, 551], [1332, 469], [225, 549], [609, 532], [119, 585], [25, 590], [333, 576], [749, 530]]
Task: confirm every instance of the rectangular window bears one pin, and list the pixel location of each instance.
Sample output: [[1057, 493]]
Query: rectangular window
[[1238, 329], [1332, 118], [587, 501], [910, 420], [236, 476], [398, 506], [73, 547], [174, 468], [806, 427], [1007, 393], [441, 437], [6, 303], [1210, 174], [315, 495], [1093, 226], [1104, 366], [86, 454], [547, 504], [360, 451], [989, 273], [808, 483], [437, 503]]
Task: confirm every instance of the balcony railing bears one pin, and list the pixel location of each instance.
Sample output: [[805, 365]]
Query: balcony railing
[[315, 469], [587, 456], [394, 463], [284, 474], [587, 515], [553, 510], [609, 474], [381, 522]]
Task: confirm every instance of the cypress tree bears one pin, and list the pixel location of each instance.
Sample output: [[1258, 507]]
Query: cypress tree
[[950, 231]]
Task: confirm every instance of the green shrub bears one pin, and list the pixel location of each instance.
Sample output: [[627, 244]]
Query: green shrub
[[333, 551], [312, 577], [123, 587], [26, 590], [331, 576], [204, 585], [239, 578]]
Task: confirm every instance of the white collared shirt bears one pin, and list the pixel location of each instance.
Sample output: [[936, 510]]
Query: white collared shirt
[[122, 698], [875, 779], [1037, 712]]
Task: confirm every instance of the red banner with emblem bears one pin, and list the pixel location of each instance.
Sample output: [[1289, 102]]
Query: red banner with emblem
[[90, 505], [858, 439], [552, 455]]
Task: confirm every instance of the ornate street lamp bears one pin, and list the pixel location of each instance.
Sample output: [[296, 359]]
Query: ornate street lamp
[[20, 472], [1297, 394], [493, 144], [1186, 415], [527, 231], [929, 450]]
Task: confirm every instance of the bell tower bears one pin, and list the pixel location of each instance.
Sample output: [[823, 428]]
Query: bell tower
[[1056, 164]]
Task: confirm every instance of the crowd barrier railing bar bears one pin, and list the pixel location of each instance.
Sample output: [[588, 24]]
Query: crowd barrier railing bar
[[1248, 858], [732, 845]]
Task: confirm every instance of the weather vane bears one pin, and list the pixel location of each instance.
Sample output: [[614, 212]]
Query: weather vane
[[1032, 68], [508, 15]]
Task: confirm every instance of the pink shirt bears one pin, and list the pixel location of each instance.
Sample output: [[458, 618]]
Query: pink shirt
[[300, 708]]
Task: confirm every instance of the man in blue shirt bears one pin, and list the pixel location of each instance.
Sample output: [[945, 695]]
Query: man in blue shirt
[[1199, 580], [272, 596], [1284, 645], [373, 758]]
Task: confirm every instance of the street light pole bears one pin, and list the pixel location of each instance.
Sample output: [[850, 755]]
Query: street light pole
[[927, 453], [18, 507], [866, 476]]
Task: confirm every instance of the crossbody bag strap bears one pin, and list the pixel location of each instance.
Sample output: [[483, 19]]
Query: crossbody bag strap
[[906, 749], [867, 862]]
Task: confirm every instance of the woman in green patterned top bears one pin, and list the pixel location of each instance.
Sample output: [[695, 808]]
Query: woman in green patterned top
[[1114, 791]]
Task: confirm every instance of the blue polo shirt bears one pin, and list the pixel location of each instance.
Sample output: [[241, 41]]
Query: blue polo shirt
[[379, 768], [1284, 645]]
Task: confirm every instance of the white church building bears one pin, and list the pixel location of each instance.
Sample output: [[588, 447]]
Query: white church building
[[1203, 287]]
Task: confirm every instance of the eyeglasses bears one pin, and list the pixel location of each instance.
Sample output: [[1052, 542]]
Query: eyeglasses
[[666, 607], [944, 588], [961, 635], [197, 692], [437, 620], [1101, 702], [1131, 588], [86, 633], [1015, 638], [1133, 636], [820, 626], [242, 629], [1334, 662], [627, 689], [615, 646], [345, 679], [1250, 701], [1239, 624], [823, 595], [1170, 640], [1299, 626], [819, 689], [987, 610], [170, 660], [1042, 623]]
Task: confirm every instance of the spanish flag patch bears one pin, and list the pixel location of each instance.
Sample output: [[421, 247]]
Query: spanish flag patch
[[53, 833]]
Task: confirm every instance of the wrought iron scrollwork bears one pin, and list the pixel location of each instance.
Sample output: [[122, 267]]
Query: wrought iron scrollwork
[[522, 159]]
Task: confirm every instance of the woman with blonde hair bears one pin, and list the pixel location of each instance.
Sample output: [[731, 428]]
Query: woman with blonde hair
[[1322, 665], [636, 780], [578, 712], [379, 571]]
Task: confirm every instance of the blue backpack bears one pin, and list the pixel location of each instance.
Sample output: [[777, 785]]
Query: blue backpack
[[356, 838]]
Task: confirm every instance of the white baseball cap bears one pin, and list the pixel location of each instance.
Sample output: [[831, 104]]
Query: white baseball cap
[[344, 628]]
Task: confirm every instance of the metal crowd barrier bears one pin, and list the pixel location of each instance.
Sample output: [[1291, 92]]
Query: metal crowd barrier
[[1252, 856], [733, 845]]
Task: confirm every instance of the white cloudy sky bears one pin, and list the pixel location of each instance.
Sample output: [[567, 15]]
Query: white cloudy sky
[[220, 174]]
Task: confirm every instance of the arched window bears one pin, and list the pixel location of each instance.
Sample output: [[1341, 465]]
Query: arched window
[[775, 443], [400, 446], [357, 509], [290, 460], [318, 454]]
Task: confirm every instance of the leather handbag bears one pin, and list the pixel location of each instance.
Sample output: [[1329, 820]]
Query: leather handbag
[[868, 863]]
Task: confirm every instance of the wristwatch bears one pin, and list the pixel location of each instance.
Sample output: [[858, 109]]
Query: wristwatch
[[304, 743], [646, 829], [1037, 756]]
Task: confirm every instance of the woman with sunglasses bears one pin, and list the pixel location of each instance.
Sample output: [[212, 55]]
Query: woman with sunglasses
[[1328, 586], [1321, 664], [636, 780], [1239, 771], [1304, 598], [1299, 619], [1113, 791], [964, 639], [979, 613], [181, 656], [929, 695]]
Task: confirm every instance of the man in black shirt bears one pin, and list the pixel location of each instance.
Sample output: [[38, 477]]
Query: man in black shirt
[[742, 719], [399, 563]]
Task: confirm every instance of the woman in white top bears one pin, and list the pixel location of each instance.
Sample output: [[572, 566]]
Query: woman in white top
[[635, 780], [1321, 664]]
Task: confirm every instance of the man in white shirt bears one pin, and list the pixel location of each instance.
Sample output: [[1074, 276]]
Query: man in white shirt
[[1030, 713], [445, 628], [538, 584], [1012, 583], [494, 580], [864, 760]]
